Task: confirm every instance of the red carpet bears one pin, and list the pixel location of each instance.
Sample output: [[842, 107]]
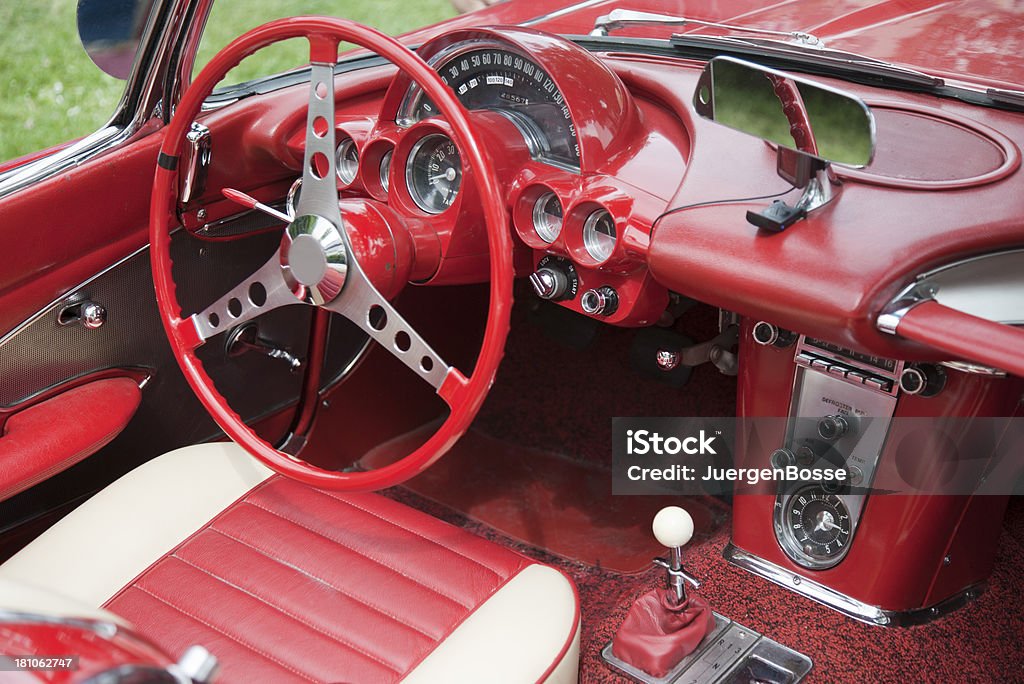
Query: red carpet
[[547, 501], [982, 642]]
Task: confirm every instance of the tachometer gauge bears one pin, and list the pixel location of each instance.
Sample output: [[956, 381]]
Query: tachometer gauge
[[816, 526], [434, 173]]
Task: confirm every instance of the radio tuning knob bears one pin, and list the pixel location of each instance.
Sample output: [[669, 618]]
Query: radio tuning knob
[[765, 334], [549, 283], [924, 379]]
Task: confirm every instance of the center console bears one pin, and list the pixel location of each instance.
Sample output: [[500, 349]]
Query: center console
[[894, 543]]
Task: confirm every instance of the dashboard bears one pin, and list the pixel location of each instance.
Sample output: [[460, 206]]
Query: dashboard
[[575, 169], [622, 200]]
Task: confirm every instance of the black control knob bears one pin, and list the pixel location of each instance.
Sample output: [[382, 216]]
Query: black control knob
[[765, 334], [603, 301], [924, 379], [805, 455], [831, 428], [782, 458], [549, 282]]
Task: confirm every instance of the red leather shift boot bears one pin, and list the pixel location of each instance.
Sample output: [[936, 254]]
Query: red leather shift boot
[[656, 634]]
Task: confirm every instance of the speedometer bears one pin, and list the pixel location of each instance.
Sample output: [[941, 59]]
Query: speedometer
[[495, 77]]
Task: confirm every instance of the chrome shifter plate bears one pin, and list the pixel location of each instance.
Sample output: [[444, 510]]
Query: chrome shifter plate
[[730, 654]]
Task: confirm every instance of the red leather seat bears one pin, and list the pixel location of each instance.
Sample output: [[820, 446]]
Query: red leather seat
[[288, 583]]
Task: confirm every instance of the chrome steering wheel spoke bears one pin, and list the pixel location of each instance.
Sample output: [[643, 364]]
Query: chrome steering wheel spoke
[[366, 307], [341, 285], [265, 290]]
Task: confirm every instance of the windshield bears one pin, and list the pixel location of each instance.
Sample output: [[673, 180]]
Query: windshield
[[231, 18]]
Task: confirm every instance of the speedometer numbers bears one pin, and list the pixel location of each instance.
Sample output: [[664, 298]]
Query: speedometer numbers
[[499, 79]]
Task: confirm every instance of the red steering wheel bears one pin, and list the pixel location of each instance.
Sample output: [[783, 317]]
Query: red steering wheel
[[315, 264]]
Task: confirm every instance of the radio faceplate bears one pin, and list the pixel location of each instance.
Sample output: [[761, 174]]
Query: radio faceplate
[[840, 415]]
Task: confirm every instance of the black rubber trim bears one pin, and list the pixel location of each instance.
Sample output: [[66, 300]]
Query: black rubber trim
[[167, 161]]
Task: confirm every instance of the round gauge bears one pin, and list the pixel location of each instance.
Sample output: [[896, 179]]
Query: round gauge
[[385, 170], [492, 76], [347, 161], [434, 173], [547, 216], [817, 525], [599, 235]]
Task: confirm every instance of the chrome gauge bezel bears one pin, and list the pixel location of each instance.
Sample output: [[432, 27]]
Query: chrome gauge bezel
[[543, 220], [384, 170], [415, 192], [595, 243], [793, 546], [346, 171]]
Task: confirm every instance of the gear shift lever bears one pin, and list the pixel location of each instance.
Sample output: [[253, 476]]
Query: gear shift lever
[[666, 625], [673, 527]]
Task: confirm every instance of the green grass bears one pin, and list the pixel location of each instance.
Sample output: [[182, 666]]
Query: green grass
[[51, 92], [744, 100]]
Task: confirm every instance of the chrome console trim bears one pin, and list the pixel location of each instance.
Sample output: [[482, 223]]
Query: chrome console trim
[[990, 286], [847, 605]]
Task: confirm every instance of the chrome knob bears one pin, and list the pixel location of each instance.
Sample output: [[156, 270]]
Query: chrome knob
[[765, 333], [831, 428], [199, 665], [92, 315], [549, 283], [89, 314], [782, 459], [667, 360], [603, 301], [926, 379]]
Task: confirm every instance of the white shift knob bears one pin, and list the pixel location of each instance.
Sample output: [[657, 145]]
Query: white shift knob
[[672, 527]]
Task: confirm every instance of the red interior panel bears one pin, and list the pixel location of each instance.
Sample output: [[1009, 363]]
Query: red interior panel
[[57, 433]]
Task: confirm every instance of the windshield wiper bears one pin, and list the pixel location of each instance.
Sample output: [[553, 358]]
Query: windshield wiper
[[820, 60], [787, 49], [621, 18]]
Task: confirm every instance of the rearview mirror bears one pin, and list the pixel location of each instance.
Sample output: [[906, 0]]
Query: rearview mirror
[[111, 30], [791, 112]]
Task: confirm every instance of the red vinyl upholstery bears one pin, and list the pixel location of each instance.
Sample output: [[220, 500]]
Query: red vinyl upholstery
[[53, 435], [304, 585]]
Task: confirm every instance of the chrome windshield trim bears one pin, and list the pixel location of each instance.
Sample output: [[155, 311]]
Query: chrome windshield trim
[[135, 115]]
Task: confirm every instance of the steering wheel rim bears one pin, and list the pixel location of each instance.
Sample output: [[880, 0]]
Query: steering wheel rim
[[463, 395]]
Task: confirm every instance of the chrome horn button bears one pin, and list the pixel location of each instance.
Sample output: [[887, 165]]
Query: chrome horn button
[[317, 257]]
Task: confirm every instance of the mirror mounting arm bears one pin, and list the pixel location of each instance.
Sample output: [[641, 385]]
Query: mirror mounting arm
[[803, 171]]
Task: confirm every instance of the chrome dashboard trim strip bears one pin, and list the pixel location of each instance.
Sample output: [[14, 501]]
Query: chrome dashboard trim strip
[[989, 286], [849, 606]]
